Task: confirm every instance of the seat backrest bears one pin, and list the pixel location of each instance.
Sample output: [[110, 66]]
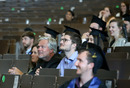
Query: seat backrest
[[110, 83], [62, 80], [4, 46], [70, 72], [122, 66], [9, 81], [24, 56], [122, 49], [43, 81], [104, 74], [49, 71], [117, 55], [5, 65], [9, 56], [21, 64], [26, 81], [123, 83], [1, 57]]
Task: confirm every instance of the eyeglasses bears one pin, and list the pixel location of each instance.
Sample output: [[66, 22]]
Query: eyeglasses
[[65, 40]]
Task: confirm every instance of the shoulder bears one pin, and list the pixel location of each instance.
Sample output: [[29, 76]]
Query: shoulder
[[121, 40]]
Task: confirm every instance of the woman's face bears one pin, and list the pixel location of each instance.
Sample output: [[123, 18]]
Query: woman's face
[[123, 7], [107, 12], [114, 29], [69, 16], [34, 55], [91, 39]]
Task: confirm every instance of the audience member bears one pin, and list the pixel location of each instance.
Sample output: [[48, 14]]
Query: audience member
[[116, 33], [124, 10], [32, 64], [86, 68], [69, 15], [47, 53], [28, 39], [106, 15], [99, 52], [96, 24], [68, 29], [70, 43]]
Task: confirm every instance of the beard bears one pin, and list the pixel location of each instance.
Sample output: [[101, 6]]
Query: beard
[[26, 46]]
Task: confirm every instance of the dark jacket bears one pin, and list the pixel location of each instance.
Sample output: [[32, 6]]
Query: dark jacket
[[53, 63]]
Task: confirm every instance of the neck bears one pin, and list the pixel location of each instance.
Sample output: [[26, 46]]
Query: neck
[[116, 37], [69, 53], [84, 78]]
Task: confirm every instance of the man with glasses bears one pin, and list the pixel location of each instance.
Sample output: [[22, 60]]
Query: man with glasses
[[69, 43]]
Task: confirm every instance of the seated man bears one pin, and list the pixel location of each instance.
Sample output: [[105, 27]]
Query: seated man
[[28, 39], [69, 44], [47, 49], [86, 68]]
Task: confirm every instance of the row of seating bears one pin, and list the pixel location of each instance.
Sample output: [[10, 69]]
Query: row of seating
[[28, 81], [50, 80], [5, 65], [14, 56]]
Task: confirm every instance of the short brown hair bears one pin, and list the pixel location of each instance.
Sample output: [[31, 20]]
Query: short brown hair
[[29, 34]]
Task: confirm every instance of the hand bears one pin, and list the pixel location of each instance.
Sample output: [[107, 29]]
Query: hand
[[101, 13], [38, 71], [15, 70], [85, 35]]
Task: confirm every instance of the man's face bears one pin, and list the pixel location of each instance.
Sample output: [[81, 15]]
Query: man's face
[[26, 41], [69, 16], [43, 50], [65, 43], [82, 63]]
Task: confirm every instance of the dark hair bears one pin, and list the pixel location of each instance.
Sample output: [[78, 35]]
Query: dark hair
[[127, 8], [111, 12], [89, 56], [29, 34], [32, 64], [72, 13], [75, 38]]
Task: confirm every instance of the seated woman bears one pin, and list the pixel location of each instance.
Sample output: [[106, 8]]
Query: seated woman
[[124, 10], [106, 15], [32, 64], [116, 33]]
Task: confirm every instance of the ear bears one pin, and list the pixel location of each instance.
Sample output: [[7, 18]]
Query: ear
[[52, 51], [32, 40], [91, 65], [74, 45]]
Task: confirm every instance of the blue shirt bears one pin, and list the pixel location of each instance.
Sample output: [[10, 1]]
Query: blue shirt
[[68, 63], [28, 51]]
